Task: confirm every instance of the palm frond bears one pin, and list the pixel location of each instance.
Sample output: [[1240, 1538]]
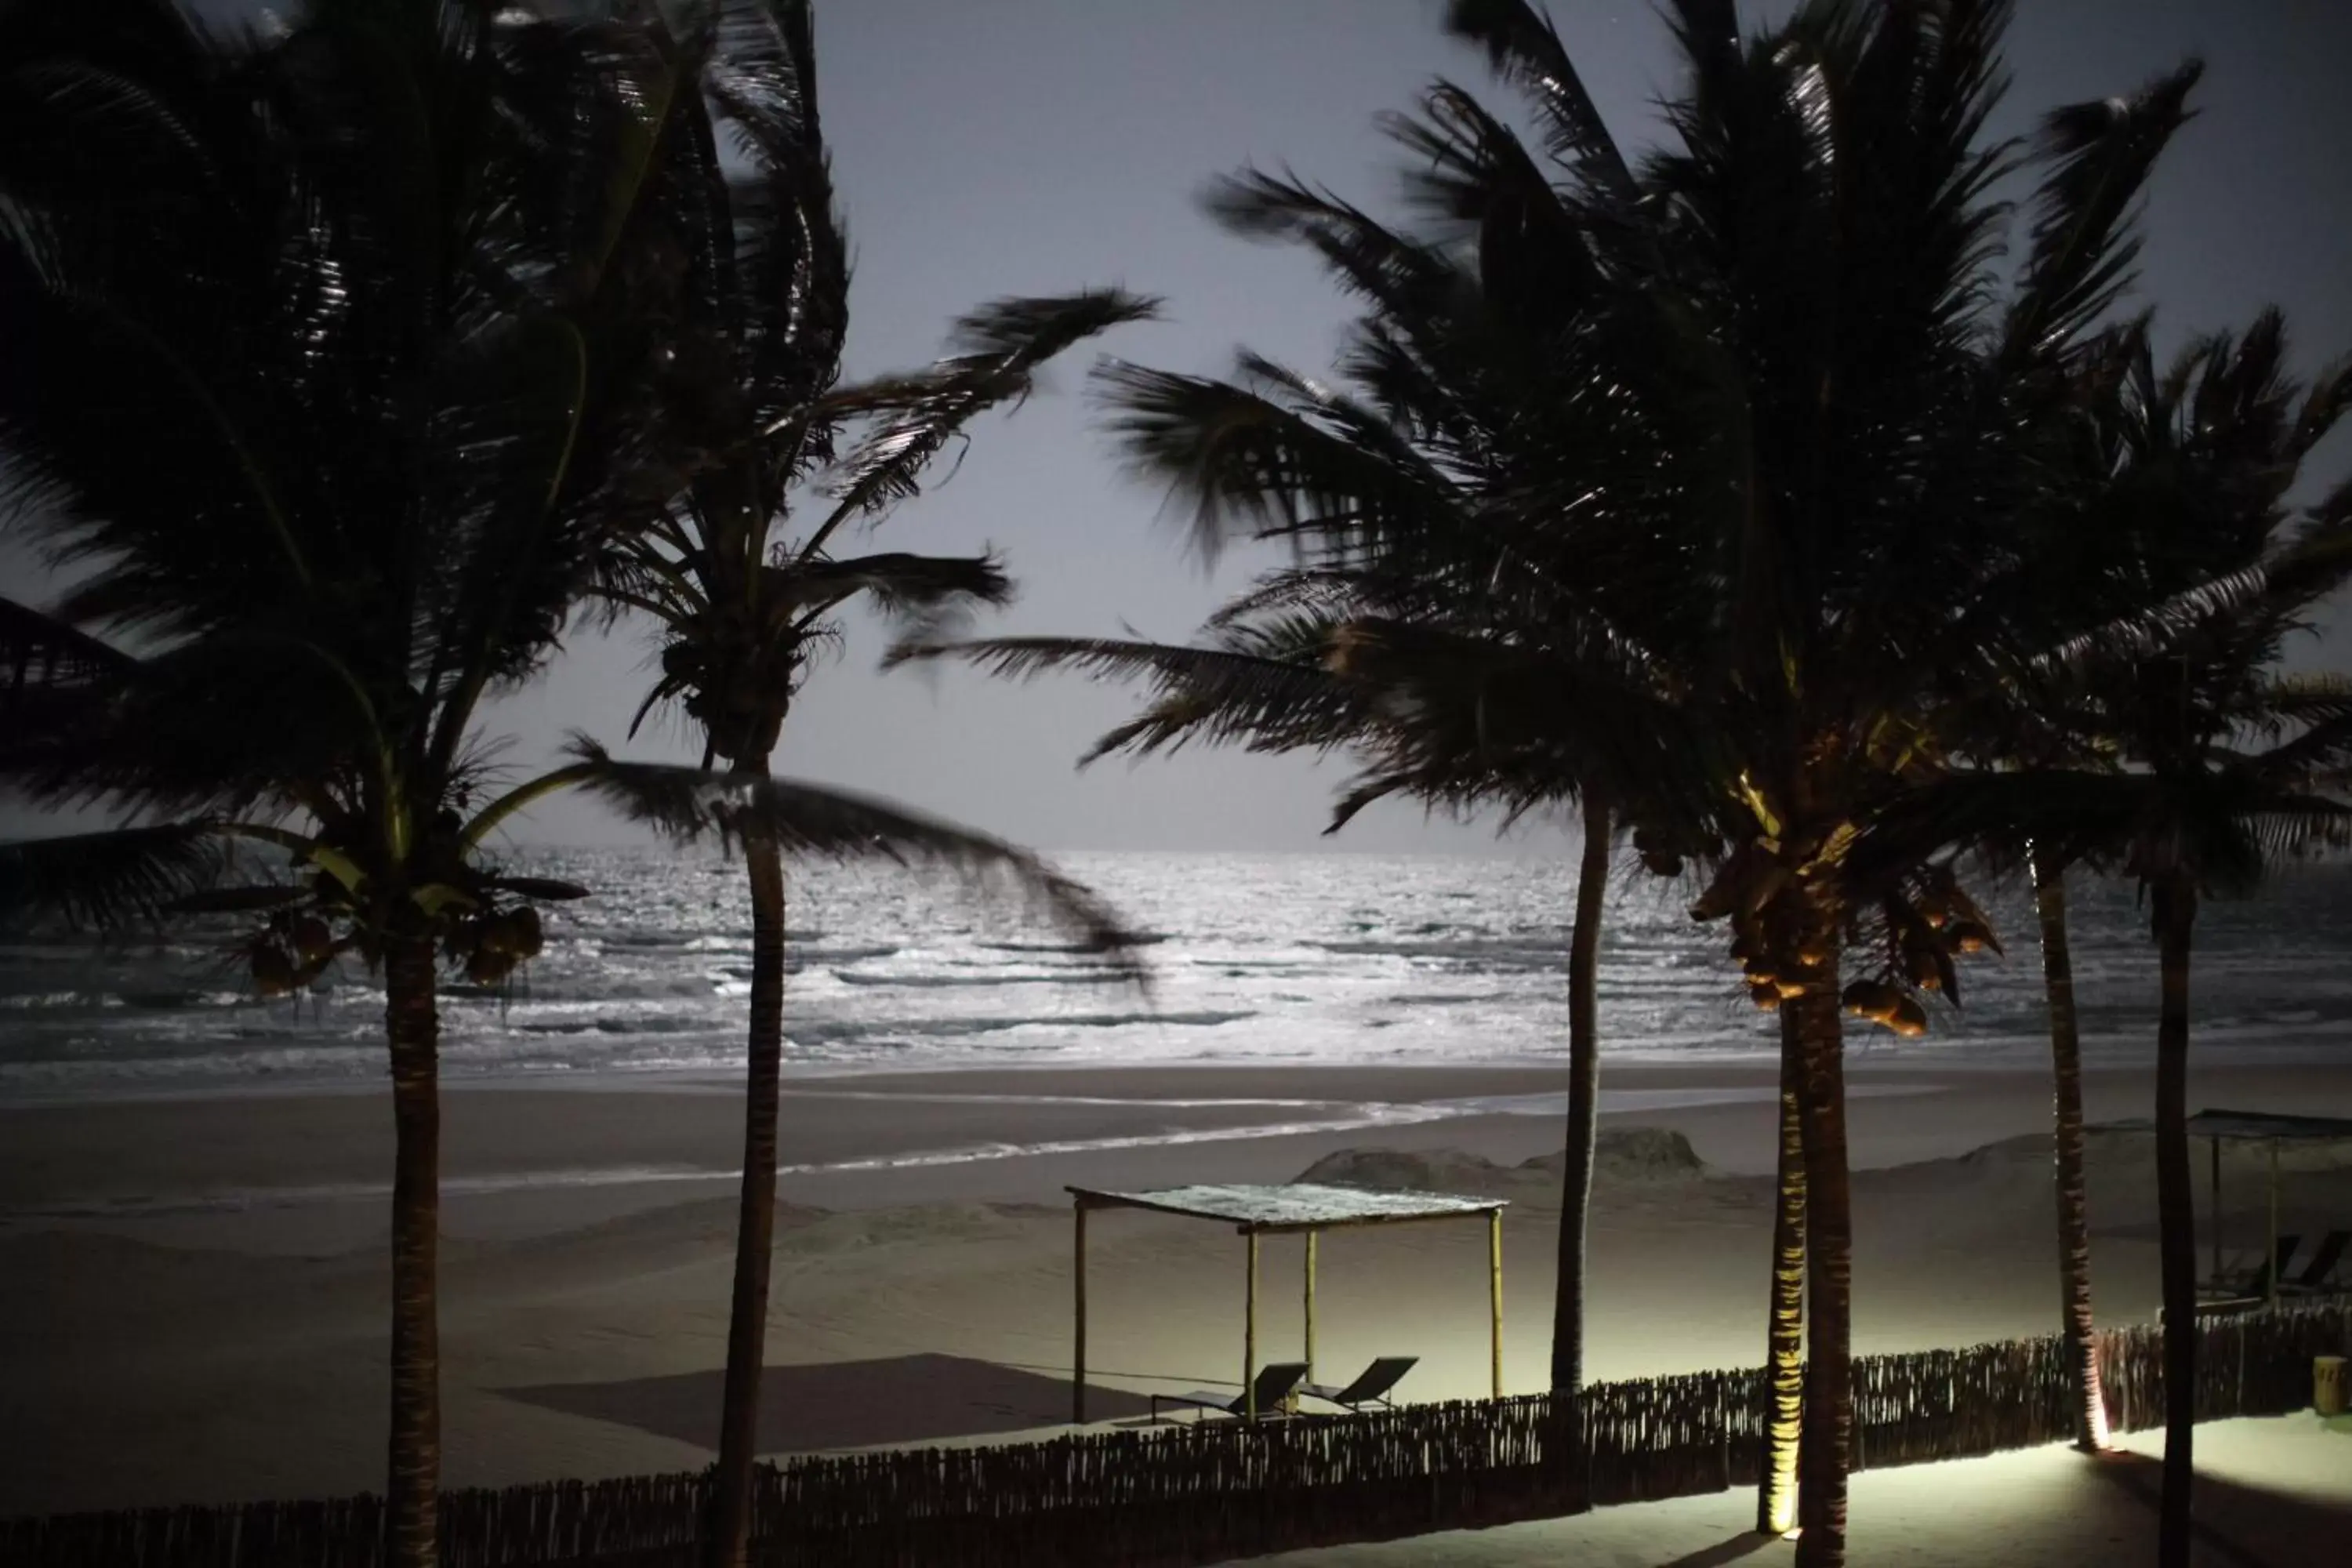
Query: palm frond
[[107, 880], [997, 353], [2098, 156], [1524, 48], [899, 584], [1245, 693], [1246, 460], [692, 804]]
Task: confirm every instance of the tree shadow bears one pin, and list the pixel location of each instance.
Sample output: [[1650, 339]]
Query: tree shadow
[[1747, 1543], [2246, 1526], [842, 1405]]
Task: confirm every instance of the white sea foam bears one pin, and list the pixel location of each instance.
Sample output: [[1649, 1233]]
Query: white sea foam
[[1256, 958]]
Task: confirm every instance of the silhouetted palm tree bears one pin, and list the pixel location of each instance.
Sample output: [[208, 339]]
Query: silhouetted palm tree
[[370, 460], [1791, 456], [403, 384], [758, 428], [1451, 673], [2227, 765]]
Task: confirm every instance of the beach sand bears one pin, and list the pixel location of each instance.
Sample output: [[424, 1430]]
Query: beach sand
[[196, 1297]]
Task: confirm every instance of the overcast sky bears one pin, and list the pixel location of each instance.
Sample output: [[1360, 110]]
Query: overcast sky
[[989, 147]]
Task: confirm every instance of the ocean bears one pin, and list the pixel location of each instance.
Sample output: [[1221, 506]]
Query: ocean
[[1307, 958]]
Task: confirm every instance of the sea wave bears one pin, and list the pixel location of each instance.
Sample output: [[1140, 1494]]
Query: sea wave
[[1255, 958]]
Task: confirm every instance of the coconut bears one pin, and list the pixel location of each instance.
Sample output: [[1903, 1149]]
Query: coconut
[[1968, 935], [313, 940], [1874, 999]]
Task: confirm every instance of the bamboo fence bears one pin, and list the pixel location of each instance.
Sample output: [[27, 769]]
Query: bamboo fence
[[1205, 1493]]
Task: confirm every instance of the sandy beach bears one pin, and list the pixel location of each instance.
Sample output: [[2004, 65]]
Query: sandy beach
[[198, 1286]]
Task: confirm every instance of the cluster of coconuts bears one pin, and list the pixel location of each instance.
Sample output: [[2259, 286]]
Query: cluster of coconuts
[[1942, 922], [495, 944], [294, 950], [1769, 947]]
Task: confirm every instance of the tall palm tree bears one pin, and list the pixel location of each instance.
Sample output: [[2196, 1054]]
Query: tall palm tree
[[1793, 454], [1408, 634], [2228, 765], [372, 460], [1854, 411], [744, 602], [401, 382]]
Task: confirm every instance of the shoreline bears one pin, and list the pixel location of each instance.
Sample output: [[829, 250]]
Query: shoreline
[[519, 1147], [2272, 1048]]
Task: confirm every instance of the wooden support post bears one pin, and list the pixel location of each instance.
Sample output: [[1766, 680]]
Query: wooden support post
[[1494, 1296], [1078, 1358], [1249, 1340], [1310, 1306], [2278, 1264], [2216, 1144]]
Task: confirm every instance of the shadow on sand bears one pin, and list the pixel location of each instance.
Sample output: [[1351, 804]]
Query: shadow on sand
[[2247, 1526], [842, 1405], [1745, 1544]]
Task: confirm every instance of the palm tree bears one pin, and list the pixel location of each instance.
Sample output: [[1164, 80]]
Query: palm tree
[[1854, 417], [373, 460], [389, 444], [1408, 634], [745, 606], [1792, 456], [2228, 765]]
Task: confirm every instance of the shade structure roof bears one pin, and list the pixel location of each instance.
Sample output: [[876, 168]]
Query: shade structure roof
[[1300, 1205], [2257, 1125]]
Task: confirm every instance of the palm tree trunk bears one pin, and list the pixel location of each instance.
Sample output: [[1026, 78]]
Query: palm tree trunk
[[1583, 1100], [2176, 913], [413, 1489], [1826, 1449], [2074, 1203], [755, 1231], [1784, 1349]]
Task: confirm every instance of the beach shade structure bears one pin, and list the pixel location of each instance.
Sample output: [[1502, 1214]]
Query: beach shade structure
[[1267, 1392], [2268, 1279], [1372, 1385], [1300, 1208]]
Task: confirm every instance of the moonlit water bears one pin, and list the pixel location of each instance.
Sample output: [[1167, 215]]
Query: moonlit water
[[1256, 958]]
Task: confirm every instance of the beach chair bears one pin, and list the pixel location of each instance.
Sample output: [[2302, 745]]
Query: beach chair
[[1276, 1382], [2318, 1275], [2243, 1283], [1372, 1386]]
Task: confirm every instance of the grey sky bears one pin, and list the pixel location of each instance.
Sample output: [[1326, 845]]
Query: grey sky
[[986, 147]]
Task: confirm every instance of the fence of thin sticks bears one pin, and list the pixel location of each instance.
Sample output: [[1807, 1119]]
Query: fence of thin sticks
[[1221, 1488]]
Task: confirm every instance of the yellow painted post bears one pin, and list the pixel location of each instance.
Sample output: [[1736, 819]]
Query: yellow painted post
[[1495, 1294], [1249, 1340], [1078, 1358], [1311, 1306]]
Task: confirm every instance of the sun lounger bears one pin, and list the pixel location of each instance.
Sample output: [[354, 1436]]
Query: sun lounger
[[1372, 1386], [2244, 1283], [1275, 1384], [2319, 1273]]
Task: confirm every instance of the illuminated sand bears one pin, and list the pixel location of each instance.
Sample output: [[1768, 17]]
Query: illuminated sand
[[159, 1346], [2274, 1492]]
